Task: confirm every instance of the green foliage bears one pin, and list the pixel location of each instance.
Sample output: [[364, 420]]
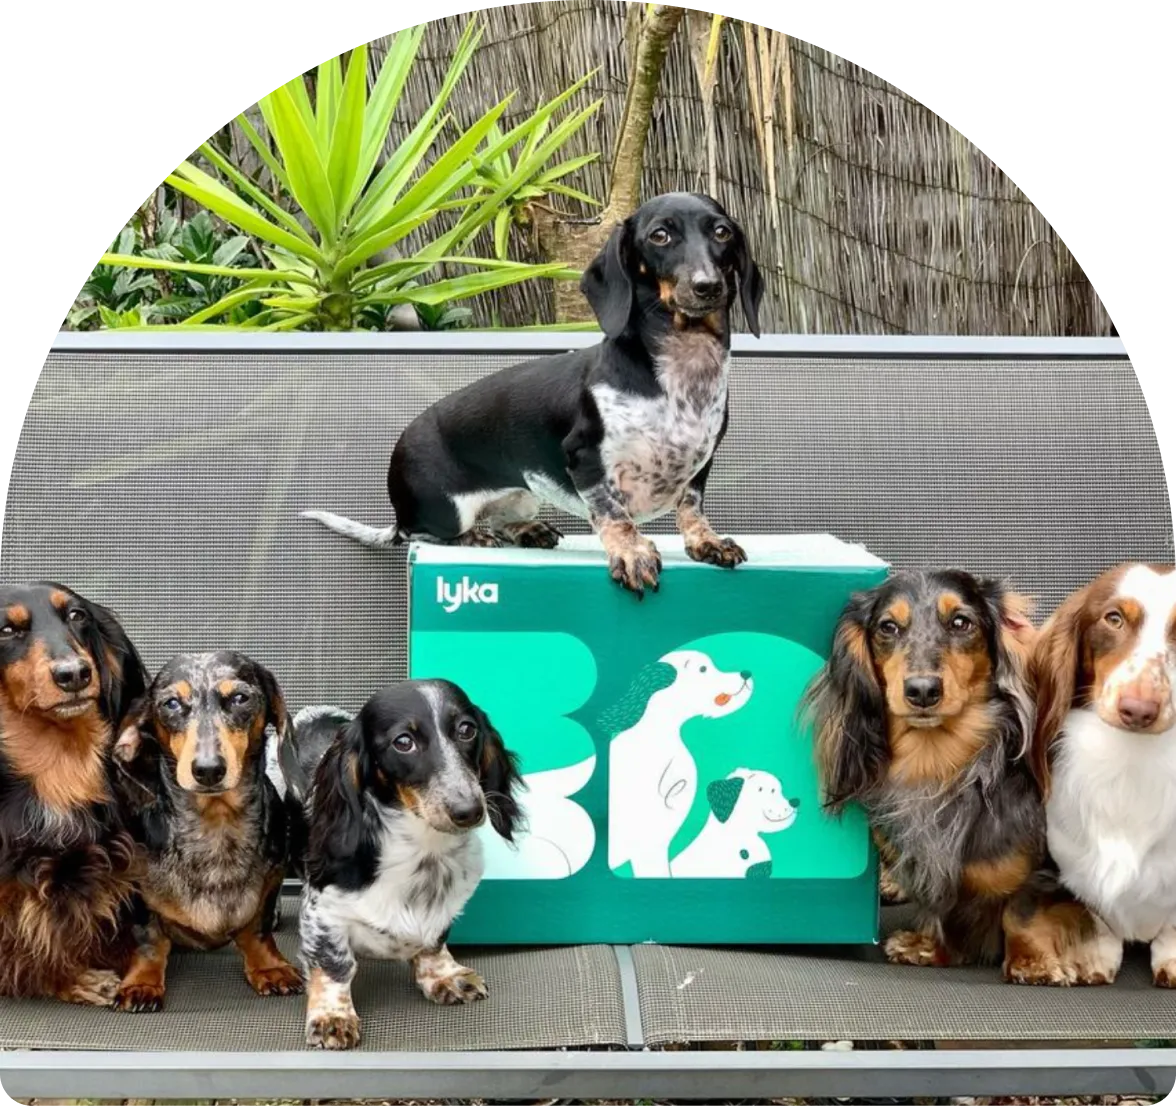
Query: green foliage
[[326, 269], [115, 296], [536, 179]]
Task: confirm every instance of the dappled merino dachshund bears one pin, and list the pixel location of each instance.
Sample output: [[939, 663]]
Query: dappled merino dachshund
[[208, 822], [923, 715], [617, 434], [394, 794], [67, 673], [1105, 752]]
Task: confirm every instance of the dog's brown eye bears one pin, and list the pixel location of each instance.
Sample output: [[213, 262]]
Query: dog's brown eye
[[660, 237], [76, 615], [961, 623], [7, 631], [888, 627], [722, 233], [238, 699], [402, 743], [466, 731], [1114, 619]]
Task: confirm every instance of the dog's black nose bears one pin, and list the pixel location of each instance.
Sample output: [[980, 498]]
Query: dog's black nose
[[922, 691], [745, 675], [795, 803], [467, 815], [72, 675], [210, 772], [706, 287]]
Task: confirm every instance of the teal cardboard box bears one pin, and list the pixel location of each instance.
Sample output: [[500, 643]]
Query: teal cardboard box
[[671, 793]]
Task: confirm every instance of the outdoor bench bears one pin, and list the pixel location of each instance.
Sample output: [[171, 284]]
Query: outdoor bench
[[164, 475]]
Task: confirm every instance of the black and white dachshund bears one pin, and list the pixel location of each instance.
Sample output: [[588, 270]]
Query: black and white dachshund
[[393, 797], [620, 433]]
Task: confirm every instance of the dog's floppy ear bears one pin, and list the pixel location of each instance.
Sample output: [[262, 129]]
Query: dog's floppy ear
[[336, 823], [276, 714], [137, 762], [1014, 639], [723, 795], [627, 712], [751, 284], [122, 678], [848, 711], [607, 283], [130, 736], [1054, 675], [498, 774]]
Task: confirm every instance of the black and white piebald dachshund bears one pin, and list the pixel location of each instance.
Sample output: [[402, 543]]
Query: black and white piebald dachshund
[[620, 433], [392, 796]]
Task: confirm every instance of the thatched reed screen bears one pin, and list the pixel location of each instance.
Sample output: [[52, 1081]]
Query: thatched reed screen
[[886, 220]]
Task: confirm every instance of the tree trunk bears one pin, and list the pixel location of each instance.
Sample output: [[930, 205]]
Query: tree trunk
[[577, 242]]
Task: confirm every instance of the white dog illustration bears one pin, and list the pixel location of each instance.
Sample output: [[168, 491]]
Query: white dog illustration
[[559, 835], [743, 806], [652, 778]]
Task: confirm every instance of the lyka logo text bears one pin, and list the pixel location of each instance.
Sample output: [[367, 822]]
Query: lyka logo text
[[452, 596]]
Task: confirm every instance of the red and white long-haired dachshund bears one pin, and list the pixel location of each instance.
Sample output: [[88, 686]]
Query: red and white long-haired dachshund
[[1105, 752], [67, 673], [923, 715]]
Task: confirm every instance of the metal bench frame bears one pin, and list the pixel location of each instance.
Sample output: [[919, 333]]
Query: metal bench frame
[[635, 1072]]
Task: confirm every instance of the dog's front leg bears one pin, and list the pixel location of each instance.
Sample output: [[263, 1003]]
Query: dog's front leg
[[266, 969], [331, 1020], [1163, 957], [91, 987], [633, 560], [443, 980], [143, 987], [702, 543]]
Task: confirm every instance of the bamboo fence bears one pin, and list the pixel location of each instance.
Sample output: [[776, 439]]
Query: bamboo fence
[[866, 211]]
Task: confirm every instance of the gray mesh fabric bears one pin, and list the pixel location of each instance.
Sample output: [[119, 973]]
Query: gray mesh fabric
[[700, 994], [545, 998], [168, 486]]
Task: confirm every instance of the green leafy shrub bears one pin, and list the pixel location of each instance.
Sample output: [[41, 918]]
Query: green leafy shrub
[[352, 211]]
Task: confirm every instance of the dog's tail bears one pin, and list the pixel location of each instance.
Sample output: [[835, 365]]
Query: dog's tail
[[371, 536], [313, 729]]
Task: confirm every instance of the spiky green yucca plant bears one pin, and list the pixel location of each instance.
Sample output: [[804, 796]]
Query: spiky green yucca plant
[[325, 156]]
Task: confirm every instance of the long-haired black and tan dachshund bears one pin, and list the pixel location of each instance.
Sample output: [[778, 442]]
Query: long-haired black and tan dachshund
[[923, 715], [67, 674], [207, 819], [618, 434]]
